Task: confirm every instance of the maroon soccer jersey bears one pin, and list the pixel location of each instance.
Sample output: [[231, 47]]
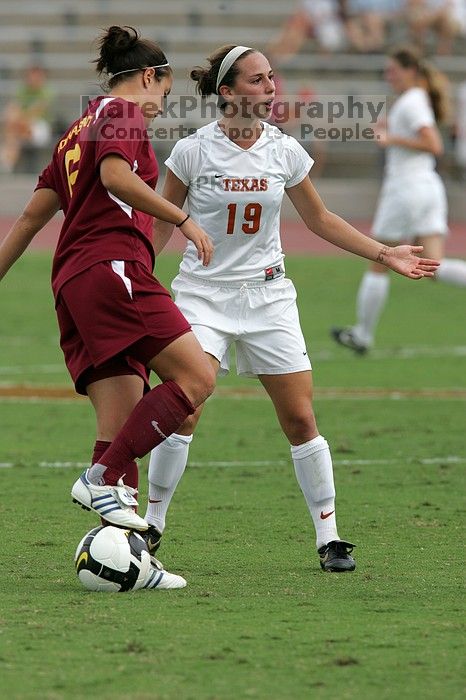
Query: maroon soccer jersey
[[98, 226]]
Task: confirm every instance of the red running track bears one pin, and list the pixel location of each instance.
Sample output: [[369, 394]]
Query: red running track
[[296, 238]]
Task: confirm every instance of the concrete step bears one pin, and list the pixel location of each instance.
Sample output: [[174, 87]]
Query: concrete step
[[88, 9], [349, 197], [45, 39]]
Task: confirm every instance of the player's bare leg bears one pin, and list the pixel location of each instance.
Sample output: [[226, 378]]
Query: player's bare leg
[[292, 397], [451, 270]]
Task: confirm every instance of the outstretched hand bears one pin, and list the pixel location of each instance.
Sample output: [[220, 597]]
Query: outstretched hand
[[404, 260], [201, 240]]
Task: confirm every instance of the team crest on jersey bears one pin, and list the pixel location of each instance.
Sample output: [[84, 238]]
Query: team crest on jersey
[[245, 184]]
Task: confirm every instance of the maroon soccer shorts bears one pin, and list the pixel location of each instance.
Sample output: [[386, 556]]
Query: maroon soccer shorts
[[114, 318]]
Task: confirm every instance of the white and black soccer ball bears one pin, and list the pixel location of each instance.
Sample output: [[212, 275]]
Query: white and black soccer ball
[[112, 559]]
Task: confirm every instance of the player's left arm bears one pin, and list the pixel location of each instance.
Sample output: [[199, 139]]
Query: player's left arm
[[331, 227], [43, 205], [428, 140]]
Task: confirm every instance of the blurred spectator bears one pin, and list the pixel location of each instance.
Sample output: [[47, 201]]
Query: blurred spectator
[[27, 119], [444, 19], [362, 25], [458, 12], [317, 19], [366, 22], [291, 125]]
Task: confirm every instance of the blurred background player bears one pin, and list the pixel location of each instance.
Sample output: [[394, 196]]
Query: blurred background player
[[412, 204], [234, 174]]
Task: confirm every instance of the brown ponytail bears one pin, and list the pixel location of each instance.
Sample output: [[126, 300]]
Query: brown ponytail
[[122, 49], [436, 82], [437, 89]]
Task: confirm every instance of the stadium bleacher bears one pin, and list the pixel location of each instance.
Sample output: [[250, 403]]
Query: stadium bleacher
[[60, 35]]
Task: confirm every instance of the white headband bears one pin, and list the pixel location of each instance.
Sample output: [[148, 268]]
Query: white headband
[[130, 70], [228, 61]]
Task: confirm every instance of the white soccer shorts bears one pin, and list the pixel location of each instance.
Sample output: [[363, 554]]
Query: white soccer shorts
[[259, 318], [412, 207]]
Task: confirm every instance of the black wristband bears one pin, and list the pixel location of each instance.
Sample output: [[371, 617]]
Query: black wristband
[[183, 222]]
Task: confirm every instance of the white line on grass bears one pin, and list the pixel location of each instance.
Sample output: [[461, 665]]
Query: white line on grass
[[258, 394], [400, 353], [337, 396], [76, 401], [450, 459], [35, 369]]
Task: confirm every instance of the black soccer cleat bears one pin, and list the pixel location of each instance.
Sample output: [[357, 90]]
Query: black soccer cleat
[[335, 556], [345, 337], [152, 537]]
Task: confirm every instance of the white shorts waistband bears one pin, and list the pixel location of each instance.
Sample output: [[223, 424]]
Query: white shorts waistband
[[233, 284]]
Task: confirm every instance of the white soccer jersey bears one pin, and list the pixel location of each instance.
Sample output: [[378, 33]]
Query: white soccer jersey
[[411, 111], [236, 195]]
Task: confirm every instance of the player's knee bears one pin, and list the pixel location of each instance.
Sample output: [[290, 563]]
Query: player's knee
[[201, 384], [301, 428], [207, 383]]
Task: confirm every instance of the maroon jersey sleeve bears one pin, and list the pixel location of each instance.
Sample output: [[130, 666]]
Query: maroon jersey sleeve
[[46, 179], [119, 130]]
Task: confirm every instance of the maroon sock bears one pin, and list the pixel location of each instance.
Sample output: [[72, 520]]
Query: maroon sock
[[99, 449], [131, 477], [156, 416]]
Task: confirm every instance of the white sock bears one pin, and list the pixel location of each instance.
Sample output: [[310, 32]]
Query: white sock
[[452, 271], [167, 464], [314, 472], [371, 298]]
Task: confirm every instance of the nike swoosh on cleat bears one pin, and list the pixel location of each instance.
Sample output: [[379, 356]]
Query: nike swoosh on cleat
[[323, 515]]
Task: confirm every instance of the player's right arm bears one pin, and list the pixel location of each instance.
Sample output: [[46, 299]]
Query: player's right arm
[[428, 140], [43, 205], [176, 192]]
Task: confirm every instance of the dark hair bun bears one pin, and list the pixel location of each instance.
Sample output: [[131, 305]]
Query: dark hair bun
[[116, 40], [204, 79], [122, 51], [197, 73], [121, 38]]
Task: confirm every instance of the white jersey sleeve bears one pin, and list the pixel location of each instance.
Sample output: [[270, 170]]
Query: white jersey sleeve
[[297, 162], [184, 159], [419, 111]]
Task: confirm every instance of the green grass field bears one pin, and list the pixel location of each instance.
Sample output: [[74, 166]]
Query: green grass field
[[258, 618]]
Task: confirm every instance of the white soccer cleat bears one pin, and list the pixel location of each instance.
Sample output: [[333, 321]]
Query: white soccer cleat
[[160, 579], [115, 504]]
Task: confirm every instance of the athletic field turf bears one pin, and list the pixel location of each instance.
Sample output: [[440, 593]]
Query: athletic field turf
[[258, 618]]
